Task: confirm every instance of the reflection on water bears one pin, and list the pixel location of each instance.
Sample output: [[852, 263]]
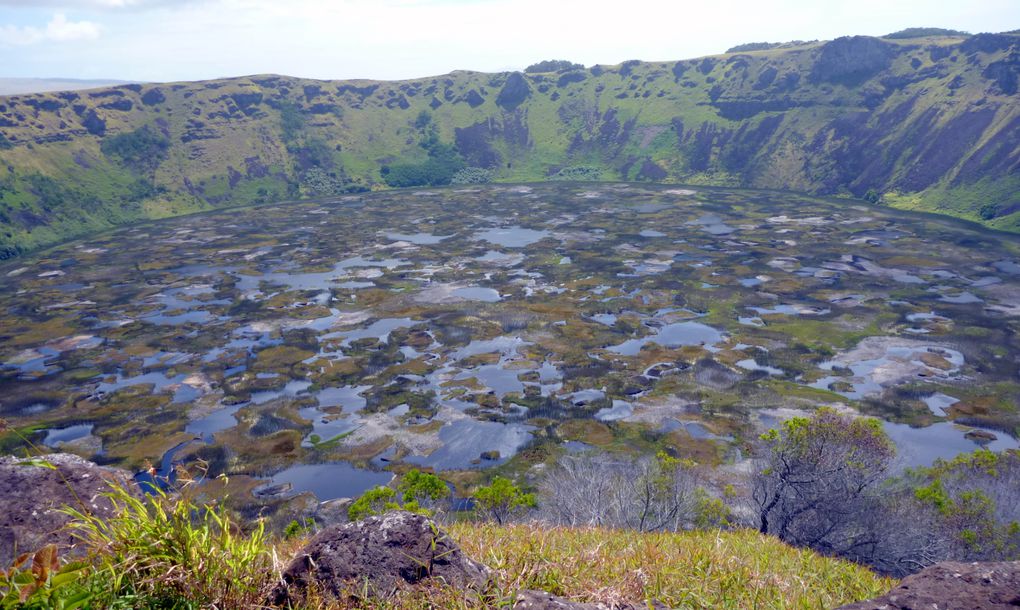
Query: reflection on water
[[330, 481], [944, 440], [475, 293], [619, 410], [465, 440], [511, 237], [448, 321], [672, 335], [421, 239], [55, 436]]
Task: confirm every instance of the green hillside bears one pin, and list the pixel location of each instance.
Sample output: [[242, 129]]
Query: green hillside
[[922, 123]]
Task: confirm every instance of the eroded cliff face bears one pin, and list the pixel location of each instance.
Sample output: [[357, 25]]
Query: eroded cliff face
[[928, 123]]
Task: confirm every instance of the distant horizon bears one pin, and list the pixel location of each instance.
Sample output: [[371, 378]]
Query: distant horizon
[[122, 81], [189, 40]]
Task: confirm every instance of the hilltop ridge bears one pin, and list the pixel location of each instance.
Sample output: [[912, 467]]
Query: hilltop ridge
[[928, 123]]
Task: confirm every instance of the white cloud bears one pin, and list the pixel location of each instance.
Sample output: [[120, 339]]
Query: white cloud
[[394, 39], [59, 29], [74, 4]]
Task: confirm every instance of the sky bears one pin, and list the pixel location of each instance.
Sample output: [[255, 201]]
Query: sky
[[172, 40]]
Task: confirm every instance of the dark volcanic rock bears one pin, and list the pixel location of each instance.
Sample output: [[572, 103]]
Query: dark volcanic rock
[[1005, 74], [473, 98], [988, 43], [93, 123], [514, 91], [540, 600], [153, 96], [959, 586], [31, 498], [852, 59], [378, 554]]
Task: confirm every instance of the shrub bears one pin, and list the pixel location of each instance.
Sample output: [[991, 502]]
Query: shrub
[[602, 490], [297, 528], [502, 500], [442, 164], [422, 488], [817, 478], [318, 181], [585, 173], [472, 175], [141, 150], [553, 65], [423, 120], [977, 498], [752, 46], [923, 32], [989, 210], [821, 483], [54, 196], [419, 492], [292, 121]]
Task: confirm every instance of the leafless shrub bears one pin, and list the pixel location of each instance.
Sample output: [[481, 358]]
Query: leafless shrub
[[603, 490]]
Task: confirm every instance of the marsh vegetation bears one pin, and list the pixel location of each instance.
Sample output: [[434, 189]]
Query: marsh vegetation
[[491, 330]]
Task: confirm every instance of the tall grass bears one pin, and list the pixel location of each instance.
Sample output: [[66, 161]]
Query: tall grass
[[701, 569], [691, 570], [170, 552], [173, 552]]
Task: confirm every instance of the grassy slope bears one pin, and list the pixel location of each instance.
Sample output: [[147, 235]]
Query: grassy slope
[[703, 569], [928, 124], [173, 551]]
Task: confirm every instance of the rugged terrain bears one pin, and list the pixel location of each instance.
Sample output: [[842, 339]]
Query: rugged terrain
[[927, 123]]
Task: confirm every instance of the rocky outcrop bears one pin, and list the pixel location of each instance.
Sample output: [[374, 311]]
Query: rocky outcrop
[[514, 91], [378, 555], [955, 586], [852, 59], [540, 600], [32, 496]]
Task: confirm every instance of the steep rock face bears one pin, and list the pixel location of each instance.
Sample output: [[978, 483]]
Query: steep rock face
[[933, 122], [959, 586], [514, 92], [379, 553], [852, 59], [31, 499]]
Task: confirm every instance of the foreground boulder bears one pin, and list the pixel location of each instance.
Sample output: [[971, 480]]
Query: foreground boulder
[[953, 586], [32, 496], [376, 556], [540, 600]]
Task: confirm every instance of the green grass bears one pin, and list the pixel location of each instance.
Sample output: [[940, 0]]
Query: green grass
[[575, 128], [704, 569], [175, 552]]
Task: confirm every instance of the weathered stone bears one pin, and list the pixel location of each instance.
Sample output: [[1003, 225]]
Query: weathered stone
[[31, 499], [377, 555], [852, 59], [955, 586], [540, 600], [333, 512], [514, 92]]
